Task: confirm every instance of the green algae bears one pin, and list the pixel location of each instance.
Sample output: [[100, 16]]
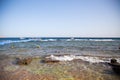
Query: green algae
[[67, 78], [60, 71], [11, 68]]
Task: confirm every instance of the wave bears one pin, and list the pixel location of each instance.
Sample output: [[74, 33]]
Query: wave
[[11, 41], [90, 59], [101, 40], [90, 40], [3, 42], [15, 40]]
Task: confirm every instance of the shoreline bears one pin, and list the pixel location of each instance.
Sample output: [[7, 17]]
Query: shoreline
[[65, 70]]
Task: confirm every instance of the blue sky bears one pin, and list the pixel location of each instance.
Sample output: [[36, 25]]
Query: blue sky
[[60, 18]]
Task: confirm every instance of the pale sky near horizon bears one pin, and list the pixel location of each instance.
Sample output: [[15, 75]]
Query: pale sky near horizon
[[59, 18]]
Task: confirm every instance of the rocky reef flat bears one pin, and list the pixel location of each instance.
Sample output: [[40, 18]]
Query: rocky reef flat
[[38, 69]]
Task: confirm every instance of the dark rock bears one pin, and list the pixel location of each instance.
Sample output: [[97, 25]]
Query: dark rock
[[23, 61], [50, 60], [115, 66], [113, 61]]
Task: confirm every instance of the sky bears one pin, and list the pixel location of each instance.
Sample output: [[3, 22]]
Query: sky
[[59, 18]]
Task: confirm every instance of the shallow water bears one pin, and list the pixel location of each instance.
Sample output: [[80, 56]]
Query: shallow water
[[85, 68], [65, 70]]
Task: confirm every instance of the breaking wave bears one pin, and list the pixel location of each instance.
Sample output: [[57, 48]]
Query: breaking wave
[[4, 41], [90, 59]]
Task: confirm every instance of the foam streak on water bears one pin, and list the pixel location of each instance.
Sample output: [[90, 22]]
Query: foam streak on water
[[90, 59]]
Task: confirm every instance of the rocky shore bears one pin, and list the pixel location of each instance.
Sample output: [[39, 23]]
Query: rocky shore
[[38, 69]]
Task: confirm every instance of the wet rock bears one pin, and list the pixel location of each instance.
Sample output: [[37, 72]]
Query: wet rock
[[37, 46], [50, 61], [115, 66], [46, 59], [113, 61], [119, 48], [23, 61], [57, 58]]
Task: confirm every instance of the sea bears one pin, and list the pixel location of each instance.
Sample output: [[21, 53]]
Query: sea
[[60, 45], [93, 50]]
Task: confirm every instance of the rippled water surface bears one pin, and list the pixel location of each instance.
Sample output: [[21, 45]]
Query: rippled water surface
[[90, 50]]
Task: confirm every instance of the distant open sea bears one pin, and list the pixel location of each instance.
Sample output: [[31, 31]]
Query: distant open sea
[[60, 45]]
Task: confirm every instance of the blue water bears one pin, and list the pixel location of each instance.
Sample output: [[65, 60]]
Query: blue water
[[46, 45], [103, 48]]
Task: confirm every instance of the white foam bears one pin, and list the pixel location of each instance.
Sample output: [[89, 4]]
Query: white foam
[[101, 39], [61, 58], [89, 59], [72, 57]]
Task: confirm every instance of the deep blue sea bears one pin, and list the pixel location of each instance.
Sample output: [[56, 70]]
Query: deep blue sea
[[59, 45]]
